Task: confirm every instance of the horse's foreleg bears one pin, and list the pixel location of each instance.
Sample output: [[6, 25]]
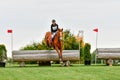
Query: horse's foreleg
[[57, 51], [59, 54]]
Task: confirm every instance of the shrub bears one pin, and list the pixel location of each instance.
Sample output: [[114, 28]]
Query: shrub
[[87, 55], [3, 53]]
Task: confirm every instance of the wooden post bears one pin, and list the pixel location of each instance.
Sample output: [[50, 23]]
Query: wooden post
[[110, 62]]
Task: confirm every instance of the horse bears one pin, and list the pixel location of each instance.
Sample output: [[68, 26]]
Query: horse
[[56, 43]]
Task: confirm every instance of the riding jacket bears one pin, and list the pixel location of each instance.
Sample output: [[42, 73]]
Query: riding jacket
[[54, 28]]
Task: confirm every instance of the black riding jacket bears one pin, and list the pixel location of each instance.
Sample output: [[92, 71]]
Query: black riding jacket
[[54, 28]]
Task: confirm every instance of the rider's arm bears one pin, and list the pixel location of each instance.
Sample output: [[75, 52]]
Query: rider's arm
[[57, 26]]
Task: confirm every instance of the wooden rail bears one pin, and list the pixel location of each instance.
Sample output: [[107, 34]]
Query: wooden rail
[[44, 56], [108, 54]]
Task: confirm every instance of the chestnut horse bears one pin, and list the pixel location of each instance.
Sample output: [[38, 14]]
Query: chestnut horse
[[56, 43]]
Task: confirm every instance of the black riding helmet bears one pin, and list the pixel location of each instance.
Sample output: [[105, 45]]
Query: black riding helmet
[[53, 20]]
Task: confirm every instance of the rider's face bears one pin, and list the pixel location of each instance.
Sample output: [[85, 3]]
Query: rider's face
[[53, 23]]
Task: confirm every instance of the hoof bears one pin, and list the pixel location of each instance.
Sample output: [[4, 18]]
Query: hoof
[[62, 64]]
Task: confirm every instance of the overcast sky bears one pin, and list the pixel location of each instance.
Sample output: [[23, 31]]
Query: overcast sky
[[30, 19]]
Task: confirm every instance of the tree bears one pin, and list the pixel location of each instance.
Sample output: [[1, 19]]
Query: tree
[[81, 52], [81, 42], [87, 55], [70, 42], [3, 53]]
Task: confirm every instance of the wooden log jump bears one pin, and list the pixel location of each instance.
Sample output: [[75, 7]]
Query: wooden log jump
[[108, 54], [44, 55]]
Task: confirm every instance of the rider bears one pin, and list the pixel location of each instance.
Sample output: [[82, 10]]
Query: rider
[[54, 28]]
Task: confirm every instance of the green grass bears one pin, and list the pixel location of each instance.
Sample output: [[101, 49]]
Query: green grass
[[76, 72]]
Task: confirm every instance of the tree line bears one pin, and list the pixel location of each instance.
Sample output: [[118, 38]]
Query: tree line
[[69, 43]]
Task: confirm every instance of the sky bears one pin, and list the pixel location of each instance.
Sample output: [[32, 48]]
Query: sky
[[31, 19]]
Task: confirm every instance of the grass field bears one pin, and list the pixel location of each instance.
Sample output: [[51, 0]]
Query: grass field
[[76, 72]]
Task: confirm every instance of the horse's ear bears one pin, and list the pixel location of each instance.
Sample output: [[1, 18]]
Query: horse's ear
[[62, 29]]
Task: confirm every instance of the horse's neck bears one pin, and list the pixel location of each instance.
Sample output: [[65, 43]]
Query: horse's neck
[[56, 37]]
